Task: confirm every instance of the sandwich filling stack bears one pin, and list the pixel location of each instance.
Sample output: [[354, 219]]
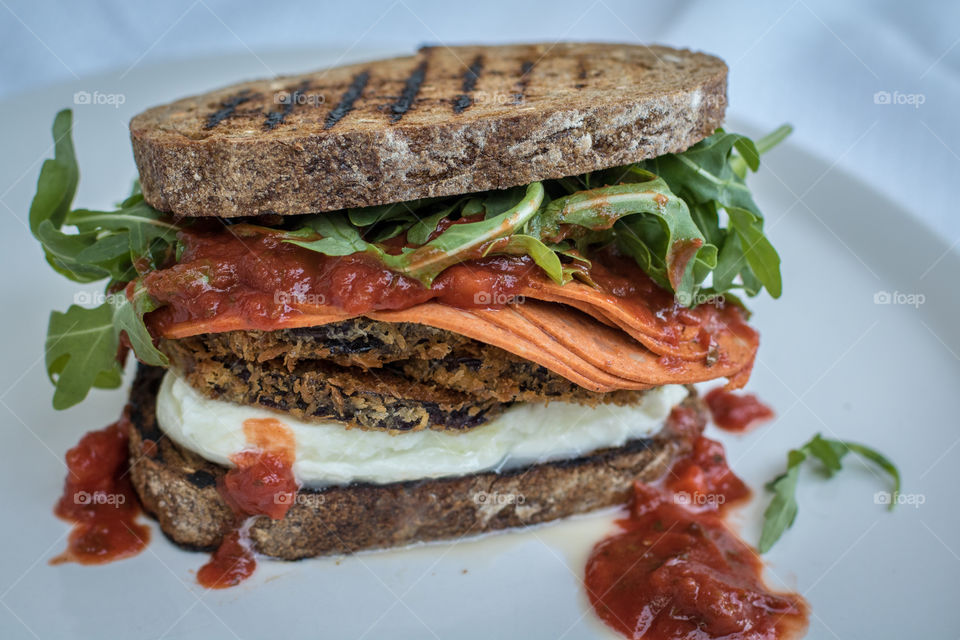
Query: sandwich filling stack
[[418, 298]]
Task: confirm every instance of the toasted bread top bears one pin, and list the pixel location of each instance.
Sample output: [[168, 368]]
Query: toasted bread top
[[446, 121]]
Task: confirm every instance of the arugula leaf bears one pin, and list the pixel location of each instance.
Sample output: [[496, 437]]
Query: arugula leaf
[[423, 228], [338, 236], [710, 173], [82, 345], [81, 353], [462, 241], [545, 257], [665, 213], [58, 179], [458, 243], [664, 240], [782, 510], [128, 313]]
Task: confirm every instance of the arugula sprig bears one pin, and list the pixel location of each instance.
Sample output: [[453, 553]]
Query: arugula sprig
[[665, 213], [710, 176], [782, 511], [83, 344]]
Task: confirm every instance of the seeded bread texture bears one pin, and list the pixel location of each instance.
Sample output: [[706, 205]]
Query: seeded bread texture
[[179, 489], [446, 121]]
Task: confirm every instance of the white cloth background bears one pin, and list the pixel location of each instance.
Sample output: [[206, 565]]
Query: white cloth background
[[816, 64]]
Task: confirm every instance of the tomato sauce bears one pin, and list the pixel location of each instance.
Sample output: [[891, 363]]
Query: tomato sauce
[[264, 280], [261, 483], [675, 571], [98, 498], [230, 564], [736, 412]]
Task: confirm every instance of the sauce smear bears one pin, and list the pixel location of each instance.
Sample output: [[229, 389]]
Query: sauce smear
[[230, 564], [98, 498], [736, 412], [261, 483], [676, 571]]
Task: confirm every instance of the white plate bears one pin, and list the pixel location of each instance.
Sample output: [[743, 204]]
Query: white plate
[[832, 361]]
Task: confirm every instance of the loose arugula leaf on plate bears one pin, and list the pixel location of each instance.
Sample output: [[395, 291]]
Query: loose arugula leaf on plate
[[782, 511]]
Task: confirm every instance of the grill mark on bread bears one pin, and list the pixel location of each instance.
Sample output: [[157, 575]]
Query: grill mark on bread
[[227, 108], [526, 67], [470, 77], [410, 90], [637, 103], [349, 97], [293, 98]]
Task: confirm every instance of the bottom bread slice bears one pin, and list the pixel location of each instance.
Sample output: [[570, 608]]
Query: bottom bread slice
[[179, 488]]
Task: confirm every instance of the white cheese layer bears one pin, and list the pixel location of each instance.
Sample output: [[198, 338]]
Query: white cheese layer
[[331, 454]]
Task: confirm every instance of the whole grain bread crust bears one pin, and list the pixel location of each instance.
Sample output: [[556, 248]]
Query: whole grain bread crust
[[448, 120], [178, 487]]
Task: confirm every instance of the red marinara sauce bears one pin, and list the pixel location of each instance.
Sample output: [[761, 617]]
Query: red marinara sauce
[[736, 412], [676, 571], [267, 280], [230, 564], [255, 275], [261, 483], [98, 498]]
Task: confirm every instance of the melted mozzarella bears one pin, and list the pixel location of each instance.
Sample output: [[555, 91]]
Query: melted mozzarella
[[328, 453]]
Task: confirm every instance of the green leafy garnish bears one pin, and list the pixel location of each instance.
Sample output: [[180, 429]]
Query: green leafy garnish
[[710, 176], [782, 511], [82, 345], [664, 213], [667, 214]]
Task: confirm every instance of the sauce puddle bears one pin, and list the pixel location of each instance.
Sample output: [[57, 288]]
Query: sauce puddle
[[676, 571], [99, 500]]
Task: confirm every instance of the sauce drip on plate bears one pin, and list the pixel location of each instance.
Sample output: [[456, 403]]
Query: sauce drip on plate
[[736, 411], [261, 483], [675, 571], [98, 498]]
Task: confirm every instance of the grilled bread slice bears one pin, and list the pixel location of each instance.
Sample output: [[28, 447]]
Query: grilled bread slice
[[446, 121], [179, 489]]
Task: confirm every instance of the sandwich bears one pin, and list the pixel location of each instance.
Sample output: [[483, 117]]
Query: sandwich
[[415, 299]]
